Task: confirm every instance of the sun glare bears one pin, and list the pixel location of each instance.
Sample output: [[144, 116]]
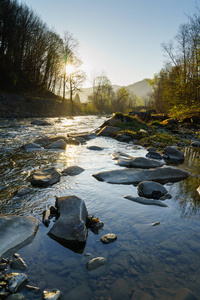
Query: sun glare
[[69, 69]]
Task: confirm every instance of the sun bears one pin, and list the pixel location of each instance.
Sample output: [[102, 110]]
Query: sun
[[69, 69]]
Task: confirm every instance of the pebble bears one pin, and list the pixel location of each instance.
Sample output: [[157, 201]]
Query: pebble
[[95, 263], [108, 238]]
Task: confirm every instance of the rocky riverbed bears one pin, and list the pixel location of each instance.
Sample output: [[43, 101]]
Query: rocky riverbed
[[138, 252]]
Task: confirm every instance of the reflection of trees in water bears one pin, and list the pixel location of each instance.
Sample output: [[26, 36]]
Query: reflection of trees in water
[[189, 199], [192, 160]]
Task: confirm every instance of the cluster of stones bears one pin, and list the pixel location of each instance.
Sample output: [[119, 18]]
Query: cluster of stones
[[11, 283]]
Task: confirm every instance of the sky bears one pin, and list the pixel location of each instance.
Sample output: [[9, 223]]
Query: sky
[[120, 38]]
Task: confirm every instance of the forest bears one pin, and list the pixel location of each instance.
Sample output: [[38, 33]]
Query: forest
[[176, 88], [32, 56]]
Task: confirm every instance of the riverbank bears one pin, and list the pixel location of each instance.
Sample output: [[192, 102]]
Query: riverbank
[[15, 106]]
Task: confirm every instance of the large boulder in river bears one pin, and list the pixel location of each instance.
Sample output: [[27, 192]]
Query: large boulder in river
[[16, 232], [71, 224], [45, 177], [108, 131], [139, 162], [173, 154], [135, 176], [150, 189]]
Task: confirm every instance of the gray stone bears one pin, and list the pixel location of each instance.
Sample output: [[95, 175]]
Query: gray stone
[[59, 145], [139, 162], [151, 149], [23, 190], [146, 201], [95, 263], [108, 131], [173, 154], [45, 177], [16, 281], [95, 148], [150, 189], [135, 176], [71, 225], [120, 290], [51, 294], [108, 238], [154, 155], [16, 232], [18, 264], [72, 171]]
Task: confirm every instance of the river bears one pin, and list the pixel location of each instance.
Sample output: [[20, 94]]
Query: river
[[160, 261]]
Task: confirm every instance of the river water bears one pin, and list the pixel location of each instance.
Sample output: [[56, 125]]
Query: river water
[[159, 261]]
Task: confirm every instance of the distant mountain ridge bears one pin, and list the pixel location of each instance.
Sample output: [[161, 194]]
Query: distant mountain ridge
[[140, 88]]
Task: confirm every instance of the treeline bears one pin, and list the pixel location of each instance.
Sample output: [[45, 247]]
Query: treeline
[[176, 88], [105, 100], [30, 50]]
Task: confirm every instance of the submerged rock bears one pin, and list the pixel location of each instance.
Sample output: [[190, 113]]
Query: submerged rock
[[139, 162], [146, 201], [150, 189], [51, 294], [72, 171], [45, 177], [18, 264], [95, 263], [16, 232], [71, 224], [23, 190], [108, 238], [135, 176]]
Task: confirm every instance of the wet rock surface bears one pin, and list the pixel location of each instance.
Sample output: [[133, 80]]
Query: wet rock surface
[[16, 231], [71, 224], [51, 294], [108, 238], [72, 171], [44, 177], [139, 162], [150, 189], [95, 263], [133, 176], [173, 154], [145, 201]]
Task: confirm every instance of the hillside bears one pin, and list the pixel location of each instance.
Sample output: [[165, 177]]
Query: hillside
[[140, 89]]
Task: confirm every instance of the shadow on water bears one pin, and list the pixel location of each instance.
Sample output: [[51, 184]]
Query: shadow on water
[[145, 260]]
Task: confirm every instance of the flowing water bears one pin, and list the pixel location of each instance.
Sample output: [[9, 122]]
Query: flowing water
[[160, 261]]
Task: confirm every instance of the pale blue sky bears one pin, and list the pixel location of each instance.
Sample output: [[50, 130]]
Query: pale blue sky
[[121, 37]]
